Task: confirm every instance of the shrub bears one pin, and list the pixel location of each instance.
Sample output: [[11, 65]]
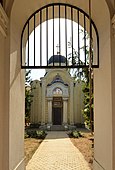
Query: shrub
[[34, 125], [26, 135], [39, 134], [75, 134]]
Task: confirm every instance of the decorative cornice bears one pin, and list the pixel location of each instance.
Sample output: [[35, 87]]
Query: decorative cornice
[[113, 25], [57, 79], [3, 21]]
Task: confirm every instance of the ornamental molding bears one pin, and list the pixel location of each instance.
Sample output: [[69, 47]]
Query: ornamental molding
[[50, 89], [113, 25], [3, 21]]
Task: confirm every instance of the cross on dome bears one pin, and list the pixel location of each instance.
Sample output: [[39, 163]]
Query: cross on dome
[[58, 49]]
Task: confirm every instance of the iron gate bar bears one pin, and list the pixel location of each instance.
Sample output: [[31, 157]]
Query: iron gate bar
[[72, 34], [91, 39], [34, 38], [66, 32], [39, 11], [28, 44], [40, 37], [50, 67], [53, 35], [85, 38], [47, 34], [59, 38], [78, 40]]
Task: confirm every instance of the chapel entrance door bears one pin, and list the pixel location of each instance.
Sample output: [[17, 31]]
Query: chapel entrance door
[[57, 111]]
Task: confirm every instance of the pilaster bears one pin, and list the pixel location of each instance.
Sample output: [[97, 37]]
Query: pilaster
[[50, 110], [43, 102], [65, 110], [113, 89], [71, 103]]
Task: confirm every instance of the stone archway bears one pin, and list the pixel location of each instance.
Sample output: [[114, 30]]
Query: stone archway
[[101, 114], [13, 107]]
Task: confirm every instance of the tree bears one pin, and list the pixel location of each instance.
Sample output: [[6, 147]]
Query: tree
[[28, 95], [82, 74]]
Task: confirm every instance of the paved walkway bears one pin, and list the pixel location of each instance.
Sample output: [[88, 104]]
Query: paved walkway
[[57, 152]]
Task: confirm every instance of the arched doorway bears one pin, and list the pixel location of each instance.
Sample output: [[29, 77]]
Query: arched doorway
[[58, 11]]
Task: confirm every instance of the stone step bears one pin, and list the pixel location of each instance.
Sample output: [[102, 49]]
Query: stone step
[[57, 128]]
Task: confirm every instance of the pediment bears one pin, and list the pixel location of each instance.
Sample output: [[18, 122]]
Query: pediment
[[58, 85]]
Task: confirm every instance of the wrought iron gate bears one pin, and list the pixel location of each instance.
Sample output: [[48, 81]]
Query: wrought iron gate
[[70, 15]]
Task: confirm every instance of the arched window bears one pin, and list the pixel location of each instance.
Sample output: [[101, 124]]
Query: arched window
[[57, 91]]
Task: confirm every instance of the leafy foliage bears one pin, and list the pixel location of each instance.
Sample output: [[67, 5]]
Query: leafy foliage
[[28, 95], [35, 125], [32, 133], [75, 134], [82, 75], [86, 110]]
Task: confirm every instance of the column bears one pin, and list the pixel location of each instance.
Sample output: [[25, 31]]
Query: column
[[65, 110], [71, 104], [5, 87], [43, 102], [113, 90], [50, 110]]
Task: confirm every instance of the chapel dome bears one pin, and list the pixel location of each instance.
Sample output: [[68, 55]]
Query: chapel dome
[[57, 59]]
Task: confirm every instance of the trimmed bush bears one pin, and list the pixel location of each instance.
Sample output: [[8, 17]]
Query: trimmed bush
[[75, 134], [39, 134]]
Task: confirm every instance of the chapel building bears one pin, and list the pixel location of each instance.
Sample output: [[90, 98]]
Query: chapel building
[[57, 97]]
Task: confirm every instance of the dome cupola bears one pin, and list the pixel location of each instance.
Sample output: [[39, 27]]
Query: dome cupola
[[57, 59]]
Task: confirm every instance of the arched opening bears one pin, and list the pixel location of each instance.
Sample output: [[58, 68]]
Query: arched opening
[[57, 22], [103, 142]]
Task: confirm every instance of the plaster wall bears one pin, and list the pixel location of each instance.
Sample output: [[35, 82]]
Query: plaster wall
[[17, 98], [1, 96], [36, 105], [78, 103], [103, 96]]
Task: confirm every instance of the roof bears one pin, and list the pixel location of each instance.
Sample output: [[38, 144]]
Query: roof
[[57, 79], [57, 59]]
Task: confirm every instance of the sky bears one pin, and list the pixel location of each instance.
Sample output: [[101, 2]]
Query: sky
[[37, 73]]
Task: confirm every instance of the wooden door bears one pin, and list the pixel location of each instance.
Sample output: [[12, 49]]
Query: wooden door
[[57, 111]]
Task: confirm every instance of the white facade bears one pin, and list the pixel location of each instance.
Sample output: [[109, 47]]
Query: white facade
[[58, 89]]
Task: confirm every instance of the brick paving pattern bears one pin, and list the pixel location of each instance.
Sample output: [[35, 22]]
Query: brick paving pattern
[[57, 152]]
